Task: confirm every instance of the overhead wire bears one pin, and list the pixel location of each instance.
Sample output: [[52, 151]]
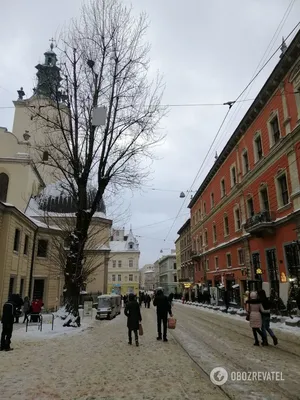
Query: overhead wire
[[230, 104]]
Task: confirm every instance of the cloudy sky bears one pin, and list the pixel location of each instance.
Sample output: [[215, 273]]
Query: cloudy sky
[[208, 51]]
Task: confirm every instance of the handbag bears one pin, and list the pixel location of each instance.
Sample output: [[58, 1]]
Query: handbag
[[172, 323], [141, 331]]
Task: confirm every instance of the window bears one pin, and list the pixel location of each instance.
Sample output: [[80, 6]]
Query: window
[[201, 241], [17, 240], [21, 287], [130, 278], [241, 256], [130, 263], [226, 225], [223, 188], [250, 207], [217, 262], [237, 218], [207, 264], [228, 260], [283, 190], [258, 152], [120, 263], [174, 266], [26, 244], [205, 238], [233, 176], [275, 132], [113, 278], [131, 246], [214, 233], [204, 208], [245, 160], [264, 200], [175, 278], [119, 278], [4, 181], [42, 248], [212, 200], [114, 263]]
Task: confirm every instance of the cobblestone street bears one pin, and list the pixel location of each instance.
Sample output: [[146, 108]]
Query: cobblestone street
[[99, 364]]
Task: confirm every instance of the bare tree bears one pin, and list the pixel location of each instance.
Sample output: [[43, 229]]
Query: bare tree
[[104, 61]]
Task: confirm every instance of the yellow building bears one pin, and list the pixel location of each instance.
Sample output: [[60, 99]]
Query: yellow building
[[35, 213], [123, 270]]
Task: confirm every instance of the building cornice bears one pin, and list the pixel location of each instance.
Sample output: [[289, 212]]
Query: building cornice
[[184, 226], [267, 91]]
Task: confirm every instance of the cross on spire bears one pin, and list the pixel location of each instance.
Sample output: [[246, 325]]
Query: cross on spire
[[52, 43]]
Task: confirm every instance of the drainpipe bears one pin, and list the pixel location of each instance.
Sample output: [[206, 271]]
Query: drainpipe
[[32, 263]]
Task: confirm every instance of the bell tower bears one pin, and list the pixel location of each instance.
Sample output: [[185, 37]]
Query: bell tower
[[48, 75]]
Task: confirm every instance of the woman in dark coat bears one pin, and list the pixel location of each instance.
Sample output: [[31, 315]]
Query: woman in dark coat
[[133, 314]]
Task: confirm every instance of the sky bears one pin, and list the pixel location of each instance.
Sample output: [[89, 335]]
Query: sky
[[207, 51]]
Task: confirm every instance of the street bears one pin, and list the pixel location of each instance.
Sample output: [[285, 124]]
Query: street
[[99, 364]]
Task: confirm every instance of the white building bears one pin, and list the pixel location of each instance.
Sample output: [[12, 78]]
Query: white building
[[168, 273], [147, 277], [123, 269]]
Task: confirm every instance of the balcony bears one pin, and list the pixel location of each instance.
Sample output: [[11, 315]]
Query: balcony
[[261, 223]]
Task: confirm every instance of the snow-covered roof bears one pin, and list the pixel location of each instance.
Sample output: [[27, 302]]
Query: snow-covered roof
[[118, 246]]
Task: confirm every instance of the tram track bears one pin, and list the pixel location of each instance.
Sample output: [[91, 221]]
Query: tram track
[[207, 351]]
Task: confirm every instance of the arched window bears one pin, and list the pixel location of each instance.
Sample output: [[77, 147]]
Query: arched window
[[4, 180]]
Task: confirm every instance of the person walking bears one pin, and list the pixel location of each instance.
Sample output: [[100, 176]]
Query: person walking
[[266, 316], [254, 308], [163, 308], [8, 318], [26, 308], [134, 317], [148, 300]]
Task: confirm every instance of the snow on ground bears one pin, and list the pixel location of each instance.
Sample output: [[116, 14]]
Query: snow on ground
[[34, 333], [209, 309], [99, 364]]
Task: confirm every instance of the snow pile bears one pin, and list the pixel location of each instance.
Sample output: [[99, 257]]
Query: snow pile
[[59, 319]]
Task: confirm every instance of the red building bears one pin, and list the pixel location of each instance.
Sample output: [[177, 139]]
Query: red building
[[245, 214]]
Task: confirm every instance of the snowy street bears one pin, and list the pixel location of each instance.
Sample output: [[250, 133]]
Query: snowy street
[[97, 363]]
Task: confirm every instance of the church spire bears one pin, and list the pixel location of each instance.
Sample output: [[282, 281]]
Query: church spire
[[48, 75]]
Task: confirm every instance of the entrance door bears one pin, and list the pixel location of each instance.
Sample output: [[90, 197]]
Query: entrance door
[[38, 289], [273, 270], [257, 285]]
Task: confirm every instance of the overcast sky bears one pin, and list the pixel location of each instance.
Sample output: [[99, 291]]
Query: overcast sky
[[208, 50]]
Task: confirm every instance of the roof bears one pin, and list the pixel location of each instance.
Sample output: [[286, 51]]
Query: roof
[[120, 246], [278, 73], [185, 225]]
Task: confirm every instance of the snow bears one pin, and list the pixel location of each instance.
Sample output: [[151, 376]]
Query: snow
[[209, 309], [34, 333]]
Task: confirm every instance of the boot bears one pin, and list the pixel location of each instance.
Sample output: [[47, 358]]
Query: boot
[[265, 342], [256, 343], [137, 343], [158, 338], [275, 340], [165, 339]]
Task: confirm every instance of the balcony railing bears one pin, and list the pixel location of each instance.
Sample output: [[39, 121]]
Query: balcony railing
[[260, 221]]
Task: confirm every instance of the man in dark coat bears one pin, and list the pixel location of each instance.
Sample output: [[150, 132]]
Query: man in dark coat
[[133, 314], [8, 318], [163, 308]]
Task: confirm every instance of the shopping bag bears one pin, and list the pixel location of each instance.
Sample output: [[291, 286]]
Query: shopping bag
[[141, 331], [171, 323]]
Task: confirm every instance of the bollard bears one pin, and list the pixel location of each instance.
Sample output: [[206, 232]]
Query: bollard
[[52, 321]]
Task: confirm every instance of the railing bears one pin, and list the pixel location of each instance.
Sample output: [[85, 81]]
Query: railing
[[40, 322], [260, 218]]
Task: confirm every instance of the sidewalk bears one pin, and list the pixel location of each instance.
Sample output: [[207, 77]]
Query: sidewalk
[[99, 363]]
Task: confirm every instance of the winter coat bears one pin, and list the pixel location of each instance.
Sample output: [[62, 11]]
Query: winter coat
[[163, 306], [255, 309], [8, 313], [26, 306], [37, 306], [133, 314]]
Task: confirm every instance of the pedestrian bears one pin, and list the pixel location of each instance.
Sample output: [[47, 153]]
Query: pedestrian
[[171, 297], [26, 308], [163, 308], [266, 316], [148, 301], [134, 318], [254, 309], [8, 318], [226, 299]]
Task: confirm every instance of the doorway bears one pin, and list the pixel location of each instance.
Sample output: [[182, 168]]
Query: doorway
[[272, 270], [38, 289]]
